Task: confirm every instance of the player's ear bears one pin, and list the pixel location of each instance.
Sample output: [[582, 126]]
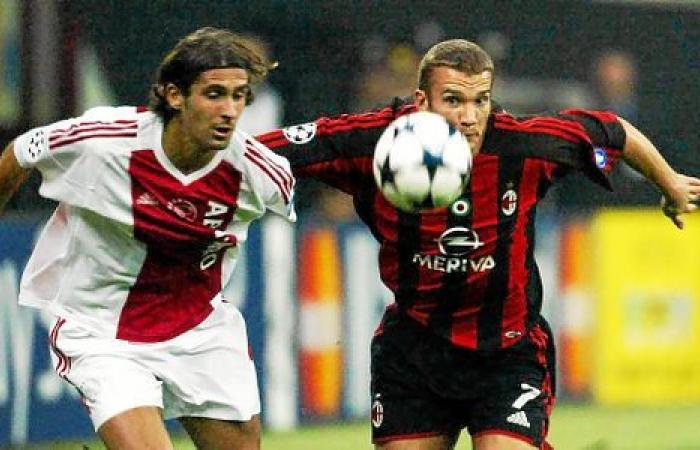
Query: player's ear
[[173, 95], [421, 100]]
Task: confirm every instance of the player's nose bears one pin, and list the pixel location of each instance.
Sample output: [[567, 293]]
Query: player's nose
[[232, 109], [469, 115]]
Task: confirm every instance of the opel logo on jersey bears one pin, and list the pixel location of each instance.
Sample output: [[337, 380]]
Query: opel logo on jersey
[[458, 241], [509, 202], [300, 134]]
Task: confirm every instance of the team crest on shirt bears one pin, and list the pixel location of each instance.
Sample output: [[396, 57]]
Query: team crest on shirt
[[377, 414], [509, 202], [184, 209], [300, 134]]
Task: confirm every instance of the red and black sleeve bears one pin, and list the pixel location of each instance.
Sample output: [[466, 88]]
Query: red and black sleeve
[[574, 139], [336, 150]]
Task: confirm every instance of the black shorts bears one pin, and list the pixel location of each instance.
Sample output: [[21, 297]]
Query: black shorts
[[424, 386]]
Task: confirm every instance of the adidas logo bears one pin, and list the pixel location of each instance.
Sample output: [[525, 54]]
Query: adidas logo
[[519, 418], [146, 199]]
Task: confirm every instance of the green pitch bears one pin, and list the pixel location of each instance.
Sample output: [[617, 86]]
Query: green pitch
[[573, 428]]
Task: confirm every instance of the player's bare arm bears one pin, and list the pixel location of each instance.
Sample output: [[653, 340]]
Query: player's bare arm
[[680, 192], [11, 175]]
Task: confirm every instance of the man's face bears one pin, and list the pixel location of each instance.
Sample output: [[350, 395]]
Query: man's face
[[208, 115], [464, 100]]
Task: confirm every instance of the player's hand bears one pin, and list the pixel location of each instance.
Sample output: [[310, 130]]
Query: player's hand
[[683, 198]]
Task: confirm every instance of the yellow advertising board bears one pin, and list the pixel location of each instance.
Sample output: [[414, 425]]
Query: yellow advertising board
[[646, 280]]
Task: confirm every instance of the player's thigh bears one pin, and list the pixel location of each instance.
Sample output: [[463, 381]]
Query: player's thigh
[[517, 397], [209, 372], [137, 428], [109, 379], [500, 442], [441, 442], [214, 434], [405, 412]]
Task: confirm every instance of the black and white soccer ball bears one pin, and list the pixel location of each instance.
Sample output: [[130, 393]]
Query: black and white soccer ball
[[421, 162]]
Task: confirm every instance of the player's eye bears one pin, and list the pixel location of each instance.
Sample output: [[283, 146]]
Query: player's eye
[[241, 94], [483, 100], [451, 100]]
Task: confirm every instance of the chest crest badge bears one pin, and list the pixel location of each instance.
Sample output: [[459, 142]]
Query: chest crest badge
[[509, 202]]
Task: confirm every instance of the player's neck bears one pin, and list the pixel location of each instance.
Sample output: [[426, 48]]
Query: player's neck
[[182, 152]]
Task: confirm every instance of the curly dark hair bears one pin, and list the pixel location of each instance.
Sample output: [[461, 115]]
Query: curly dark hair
[[205, 49]]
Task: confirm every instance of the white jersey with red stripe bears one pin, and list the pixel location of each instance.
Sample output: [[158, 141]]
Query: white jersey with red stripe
[[137, 249]]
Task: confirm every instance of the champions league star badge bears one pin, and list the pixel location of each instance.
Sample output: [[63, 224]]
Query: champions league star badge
[[300, 134]]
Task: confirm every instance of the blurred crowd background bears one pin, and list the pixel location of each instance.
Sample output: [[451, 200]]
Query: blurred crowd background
[[640, 59], [620, 276]]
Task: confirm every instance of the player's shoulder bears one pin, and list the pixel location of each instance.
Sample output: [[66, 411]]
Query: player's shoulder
[[112, 114], [262, 165], [253, 151], [110, 126]]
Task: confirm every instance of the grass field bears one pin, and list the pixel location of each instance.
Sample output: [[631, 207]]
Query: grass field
[[573, 428]]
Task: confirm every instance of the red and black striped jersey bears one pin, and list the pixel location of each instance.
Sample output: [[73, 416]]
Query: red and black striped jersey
[[467, 272]]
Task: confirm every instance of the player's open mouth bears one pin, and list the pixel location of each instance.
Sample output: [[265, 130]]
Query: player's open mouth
[[223, 132]]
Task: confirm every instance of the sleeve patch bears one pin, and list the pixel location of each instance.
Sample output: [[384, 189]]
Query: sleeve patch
[[601, 157], [300, 134], [33, 146]]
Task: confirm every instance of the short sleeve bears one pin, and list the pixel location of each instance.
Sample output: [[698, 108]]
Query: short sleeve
[[70, 153], [31, 148], [275, 178]]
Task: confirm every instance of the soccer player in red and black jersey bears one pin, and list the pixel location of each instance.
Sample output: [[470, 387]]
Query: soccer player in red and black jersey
[[464, 344]]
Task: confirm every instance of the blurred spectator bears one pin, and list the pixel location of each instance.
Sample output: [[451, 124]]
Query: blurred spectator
[[615, 81], [529, 95], [266, 111], [392, 75], [391, 72], [9, 55]]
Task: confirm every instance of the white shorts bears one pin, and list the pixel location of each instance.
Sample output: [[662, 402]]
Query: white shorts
[[204, 372]]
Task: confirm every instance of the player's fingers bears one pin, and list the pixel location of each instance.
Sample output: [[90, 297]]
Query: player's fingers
[[677, 221]]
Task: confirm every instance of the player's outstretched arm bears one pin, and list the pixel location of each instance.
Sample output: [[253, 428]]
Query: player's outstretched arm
[[680, 192], [11, 175]]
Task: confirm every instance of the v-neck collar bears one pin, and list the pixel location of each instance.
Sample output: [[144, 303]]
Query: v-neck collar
[[154, 139]]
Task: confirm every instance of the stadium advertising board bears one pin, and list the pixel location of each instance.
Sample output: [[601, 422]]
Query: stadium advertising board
[[35, 404], [645, 275]]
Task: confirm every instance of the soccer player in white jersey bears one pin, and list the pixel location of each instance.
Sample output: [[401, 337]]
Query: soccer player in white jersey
[[153, 207]]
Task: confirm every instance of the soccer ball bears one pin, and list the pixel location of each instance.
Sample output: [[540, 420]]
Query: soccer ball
[[421, 162]]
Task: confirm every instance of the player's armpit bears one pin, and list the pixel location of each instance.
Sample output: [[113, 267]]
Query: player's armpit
[[12, 175]]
